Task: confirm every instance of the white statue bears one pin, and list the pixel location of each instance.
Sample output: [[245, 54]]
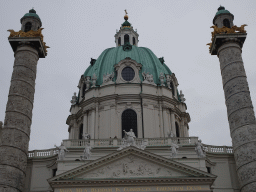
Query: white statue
[[168, 80], [170, 134], [148, 77], [199, 149], [130, 137], [182, 97], [143, 145], [174, 150], [94, 79], [86, 136], [87, 152], [74, 99], [161, 79], [108, 77], [87, 82], [61, 151]]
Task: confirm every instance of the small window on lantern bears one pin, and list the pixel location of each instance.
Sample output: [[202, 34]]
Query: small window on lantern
[[126, 38], [119, 41], [133, 40], [28, 27], [226, 23]]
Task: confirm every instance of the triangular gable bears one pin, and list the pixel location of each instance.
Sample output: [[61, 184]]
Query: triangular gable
[[132, 163]]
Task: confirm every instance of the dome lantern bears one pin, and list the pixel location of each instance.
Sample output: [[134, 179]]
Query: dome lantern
[[223, 18], [126, 34], [30, 21]]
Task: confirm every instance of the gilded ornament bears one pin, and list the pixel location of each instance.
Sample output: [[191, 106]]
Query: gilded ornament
[[30, 33], [226, 30]]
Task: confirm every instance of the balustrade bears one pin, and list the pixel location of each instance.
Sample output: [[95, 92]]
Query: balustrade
[[181, 141]]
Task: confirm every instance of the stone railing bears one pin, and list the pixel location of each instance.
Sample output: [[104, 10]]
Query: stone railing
[[42, 153], [74, 143], [217, 149], [151, 142]]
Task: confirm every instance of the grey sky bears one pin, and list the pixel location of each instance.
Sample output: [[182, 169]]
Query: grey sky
[[79, 30]]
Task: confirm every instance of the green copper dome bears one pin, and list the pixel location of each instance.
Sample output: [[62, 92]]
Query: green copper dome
[[221, 10], [126, 23], [109, 57], [32, 13]]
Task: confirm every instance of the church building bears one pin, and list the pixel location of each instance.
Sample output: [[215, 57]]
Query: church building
[[128, 125]]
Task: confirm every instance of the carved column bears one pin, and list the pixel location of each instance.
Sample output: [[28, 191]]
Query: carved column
[[16, 131], [240, 111]]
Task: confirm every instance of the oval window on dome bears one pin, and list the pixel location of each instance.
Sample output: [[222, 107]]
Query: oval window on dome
[[128, 74]]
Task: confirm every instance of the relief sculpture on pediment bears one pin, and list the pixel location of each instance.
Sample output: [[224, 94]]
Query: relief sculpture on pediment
[[129, 167]]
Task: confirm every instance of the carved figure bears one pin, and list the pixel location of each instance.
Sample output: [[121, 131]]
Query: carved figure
[[86, 136], [148, 77], [130, 136], [13, 33], [74, 99], [1, 124], [162, 79], [94, 79], [170, 134], [30, 33], [199, 149], [87, 82], [168, 80], [87, 152], [61, 151], [143, 145], [174, 150], [108, 77], [240, 29], [182, 97]]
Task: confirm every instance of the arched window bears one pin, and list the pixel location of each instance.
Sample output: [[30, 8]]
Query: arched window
[[81, 131], [28, 26], [119, 41], [126, 38], [83, 90], [133, 40], [129, 121], [226, 23], [177, 129], [172, 87]]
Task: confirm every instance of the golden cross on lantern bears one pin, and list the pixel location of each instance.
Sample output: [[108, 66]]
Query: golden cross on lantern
[[125, 11]]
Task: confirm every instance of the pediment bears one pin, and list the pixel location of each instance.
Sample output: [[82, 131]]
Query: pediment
[[131, 163], [132, 166]]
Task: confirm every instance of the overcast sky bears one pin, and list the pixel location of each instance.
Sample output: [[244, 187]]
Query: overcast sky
[[79, 30]]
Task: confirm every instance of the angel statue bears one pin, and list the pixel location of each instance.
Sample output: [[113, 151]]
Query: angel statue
[[170, 134], [87, 152], [174, 150], [61, 151], [86, 136], [108, 77], [199, 149], [148, 77]]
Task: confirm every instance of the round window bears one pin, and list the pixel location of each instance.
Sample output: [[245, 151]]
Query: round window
[[128, 74]]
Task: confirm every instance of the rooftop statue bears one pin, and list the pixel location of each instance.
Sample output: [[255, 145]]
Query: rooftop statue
[[108, 77], [199, 149], [87, 152], [174, 150], [74, 99], [61, 151]]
